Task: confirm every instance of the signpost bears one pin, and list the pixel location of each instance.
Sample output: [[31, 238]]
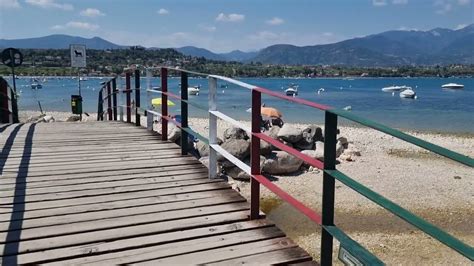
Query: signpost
[[12, 57], [78, 59]]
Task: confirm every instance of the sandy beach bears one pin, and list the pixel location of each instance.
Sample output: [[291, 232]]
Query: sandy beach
[[435, 188]]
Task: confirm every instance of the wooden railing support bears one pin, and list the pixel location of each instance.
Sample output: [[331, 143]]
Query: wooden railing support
[[128, 101], [149, 106], [109, 101], [212, 128], [164, 103], [255, 155], [114, 97], [137, 98], [330, 140], [184, 113]]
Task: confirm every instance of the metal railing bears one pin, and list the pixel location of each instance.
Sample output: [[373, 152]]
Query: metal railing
[[8, 103], [330, 173]]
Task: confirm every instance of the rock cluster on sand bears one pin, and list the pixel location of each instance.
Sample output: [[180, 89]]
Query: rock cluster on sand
[[310, 141]]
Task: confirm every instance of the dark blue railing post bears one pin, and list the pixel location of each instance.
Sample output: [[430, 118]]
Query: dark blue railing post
[[114, 97], [330, 140], [137, 98], [128, 100], [184, 113], [164, 103], [109, 101], [255, 155], [100, 106]]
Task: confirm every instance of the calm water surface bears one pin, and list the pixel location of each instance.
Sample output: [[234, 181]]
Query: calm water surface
[[435, 109]]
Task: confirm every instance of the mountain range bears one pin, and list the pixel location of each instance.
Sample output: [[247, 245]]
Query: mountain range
[[391, 48]]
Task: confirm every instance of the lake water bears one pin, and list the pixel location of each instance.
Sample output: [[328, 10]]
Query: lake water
[[435, 109]]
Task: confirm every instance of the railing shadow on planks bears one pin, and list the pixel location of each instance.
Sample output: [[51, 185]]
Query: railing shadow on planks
[[8, 103], [330, 173]]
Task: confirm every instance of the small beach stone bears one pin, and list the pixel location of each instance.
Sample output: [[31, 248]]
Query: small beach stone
[[73, 118]]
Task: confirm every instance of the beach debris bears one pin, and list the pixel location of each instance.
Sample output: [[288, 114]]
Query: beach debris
[[290, 133], [457, 177], [73, 118], [280, 162]]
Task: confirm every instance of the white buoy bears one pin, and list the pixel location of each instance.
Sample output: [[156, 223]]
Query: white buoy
[[416, 97]]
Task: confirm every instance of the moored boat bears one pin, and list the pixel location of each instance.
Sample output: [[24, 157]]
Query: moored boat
[[452, 86], [292, 90], [395, 88], [194, 90], [408, 93]]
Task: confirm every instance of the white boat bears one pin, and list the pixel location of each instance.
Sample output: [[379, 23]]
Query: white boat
[[408, 93], [292, 90], [452, 86], [35, 85], [83, 78], [395, 88], [194, 90]]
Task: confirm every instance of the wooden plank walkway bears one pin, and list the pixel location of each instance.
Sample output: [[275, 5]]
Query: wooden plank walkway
[[112, 193]]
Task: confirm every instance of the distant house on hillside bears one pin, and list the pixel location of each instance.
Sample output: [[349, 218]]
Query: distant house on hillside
[[137, 47]]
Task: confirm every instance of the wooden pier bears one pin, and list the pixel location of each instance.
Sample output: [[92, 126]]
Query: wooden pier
[[112, 193]]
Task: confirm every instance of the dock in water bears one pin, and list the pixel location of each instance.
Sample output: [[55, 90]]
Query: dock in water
[[112, 193]]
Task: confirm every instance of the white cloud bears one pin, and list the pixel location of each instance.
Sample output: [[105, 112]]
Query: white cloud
[[379, 2], [76, 25], [91, 12], [460, 26], [6, 4], [230, 18], [464, 2], [208, 28], [445, 6], [275, 21], [163, 11], [399, 2], [407, 28], [49, 4]]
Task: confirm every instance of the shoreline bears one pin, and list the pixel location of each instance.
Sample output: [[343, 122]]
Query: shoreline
[[62, 116], [435, 188]]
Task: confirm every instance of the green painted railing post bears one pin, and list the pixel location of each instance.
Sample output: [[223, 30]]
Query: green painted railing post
[[330, 135], [184, 112]]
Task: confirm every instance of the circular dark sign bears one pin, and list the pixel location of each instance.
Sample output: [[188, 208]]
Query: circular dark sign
[[12, 57]]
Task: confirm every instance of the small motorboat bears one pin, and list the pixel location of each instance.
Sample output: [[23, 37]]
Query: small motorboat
[[408, 93], [194, 90], [454, 86], [395, 88], [35, 85], [321, 90], [292, 90]]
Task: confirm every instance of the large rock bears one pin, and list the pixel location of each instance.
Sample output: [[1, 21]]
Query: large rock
[[203, 148], [290, 134], [319, 148], [339, 149], [343, 141], [235, 133], [280, 162], [237, 173], [238, 147], [314, 154], [273, 132], [310, 135], [205, 161], [265, 148]]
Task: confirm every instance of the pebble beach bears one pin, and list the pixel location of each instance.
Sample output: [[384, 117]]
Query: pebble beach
[[437, 189]]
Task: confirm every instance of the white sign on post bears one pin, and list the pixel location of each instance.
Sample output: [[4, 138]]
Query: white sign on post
[[78, 55]]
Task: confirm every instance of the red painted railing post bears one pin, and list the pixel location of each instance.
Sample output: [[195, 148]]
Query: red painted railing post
[[128, 97], [109, 101], [255, 155], [330, 140], [164, 103]]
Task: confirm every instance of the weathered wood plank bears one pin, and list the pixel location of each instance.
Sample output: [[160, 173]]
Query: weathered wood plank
[[289, 256], [99, 248]]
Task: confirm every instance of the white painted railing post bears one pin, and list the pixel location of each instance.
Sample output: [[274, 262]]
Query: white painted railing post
[[149, 106], [10, 106], [212, 128]]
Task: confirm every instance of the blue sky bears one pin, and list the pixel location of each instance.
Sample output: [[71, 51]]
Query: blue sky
[[224, 25]]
